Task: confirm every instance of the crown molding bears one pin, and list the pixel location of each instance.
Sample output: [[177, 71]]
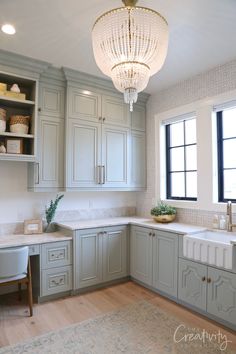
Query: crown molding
[[55, 74], [20, 64], [74, 76]]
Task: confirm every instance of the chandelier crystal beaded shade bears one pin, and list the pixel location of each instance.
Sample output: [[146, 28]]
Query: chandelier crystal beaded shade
[[130, 45]]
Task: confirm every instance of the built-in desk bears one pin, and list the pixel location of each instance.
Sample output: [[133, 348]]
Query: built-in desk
[[51, 262]]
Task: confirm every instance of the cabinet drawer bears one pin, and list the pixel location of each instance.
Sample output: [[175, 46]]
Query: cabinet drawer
[[33, 250], [56, 254], [56, 280]]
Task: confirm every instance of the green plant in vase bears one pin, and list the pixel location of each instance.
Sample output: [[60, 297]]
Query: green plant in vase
[[51, 211], [163, 212]]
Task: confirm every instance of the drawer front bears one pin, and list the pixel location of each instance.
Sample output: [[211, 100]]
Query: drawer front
[[56, 254], [56, 280], [34, 250]]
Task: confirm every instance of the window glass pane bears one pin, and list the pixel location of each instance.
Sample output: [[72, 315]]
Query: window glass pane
[[229, 149], [177, 134], [177, 184], [191, 184], [229, 123], [230, 184], [190, 131], [177, 159], [191, 157]]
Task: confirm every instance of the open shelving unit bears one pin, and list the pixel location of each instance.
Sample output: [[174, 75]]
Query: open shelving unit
[[16, 106]]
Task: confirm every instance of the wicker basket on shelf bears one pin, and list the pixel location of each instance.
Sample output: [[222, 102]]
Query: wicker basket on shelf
[[19, 124]]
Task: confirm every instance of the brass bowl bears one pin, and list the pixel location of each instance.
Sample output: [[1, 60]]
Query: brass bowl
[[164, 218]]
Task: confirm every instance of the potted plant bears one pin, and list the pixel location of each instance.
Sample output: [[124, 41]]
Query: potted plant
[[163, 213], [51, 211]]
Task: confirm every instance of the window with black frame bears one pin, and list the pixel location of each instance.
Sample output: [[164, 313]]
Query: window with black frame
[[181, 160], [226, 142]]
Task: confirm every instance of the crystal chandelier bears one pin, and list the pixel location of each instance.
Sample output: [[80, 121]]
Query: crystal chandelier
[[130, 45]]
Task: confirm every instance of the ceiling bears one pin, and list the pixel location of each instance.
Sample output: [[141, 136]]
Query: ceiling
[[202, 33]]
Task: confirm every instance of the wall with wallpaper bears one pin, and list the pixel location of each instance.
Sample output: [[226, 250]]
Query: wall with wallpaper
[[198, 93]]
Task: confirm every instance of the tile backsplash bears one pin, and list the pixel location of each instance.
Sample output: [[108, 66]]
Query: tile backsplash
[[198, 217], [73, 215]]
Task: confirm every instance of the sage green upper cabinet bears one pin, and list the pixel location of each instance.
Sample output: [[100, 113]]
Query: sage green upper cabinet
[[138, 159], [51, 100], [115, 111], [84, 104], [83, 154], [138, 118], [115, 156], [48, 171]]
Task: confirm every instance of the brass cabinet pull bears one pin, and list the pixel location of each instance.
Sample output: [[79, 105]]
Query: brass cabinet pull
[[103, 119], [209, 280], [150, 234], [203, 278], [153, 235]]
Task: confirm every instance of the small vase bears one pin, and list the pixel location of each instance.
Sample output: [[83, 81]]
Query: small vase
[[50, 228]]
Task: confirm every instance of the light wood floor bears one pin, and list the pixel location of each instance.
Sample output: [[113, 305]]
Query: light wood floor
[[16, 326]]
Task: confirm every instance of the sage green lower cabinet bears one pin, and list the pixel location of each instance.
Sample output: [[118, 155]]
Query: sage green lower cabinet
[[154, 259], [221, 296], [192, 287], [100, 255], [55, 268], [114, 253], [88, 258], [141, 254], [165, 262]]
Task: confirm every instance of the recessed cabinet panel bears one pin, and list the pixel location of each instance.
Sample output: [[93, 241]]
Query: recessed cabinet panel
[[115, 111], [115, 154], [51, 100], [83, 154], [141, 255], [115, 253], [138, 160], [84, 104], [221, 299], [138, 118], [89, 258], [192, 283], [165, 262]]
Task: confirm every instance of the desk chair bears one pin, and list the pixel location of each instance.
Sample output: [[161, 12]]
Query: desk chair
[[15, 269]]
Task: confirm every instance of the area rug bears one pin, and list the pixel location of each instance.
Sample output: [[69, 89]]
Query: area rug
[[140, 328]]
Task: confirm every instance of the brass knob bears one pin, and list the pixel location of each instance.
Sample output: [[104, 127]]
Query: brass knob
[[153, 235], [209, 280], [150, 234], [103, 119], [203, 278], [39, 109]]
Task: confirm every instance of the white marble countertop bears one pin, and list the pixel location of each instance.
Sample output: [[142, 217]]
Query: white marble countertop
[[27, 240], [174, 227]]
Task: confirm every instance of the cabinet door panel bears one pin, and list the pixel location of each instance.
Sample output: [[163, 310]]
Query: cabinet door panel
[[138, 118], [141, 255], [84, 104], [192, 288], [165, 262], [115, 155], [138, 160], [115, 111], [221, 299], [84, 152], [115, 253], [51, 152], [51, 100], [88, 258]]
